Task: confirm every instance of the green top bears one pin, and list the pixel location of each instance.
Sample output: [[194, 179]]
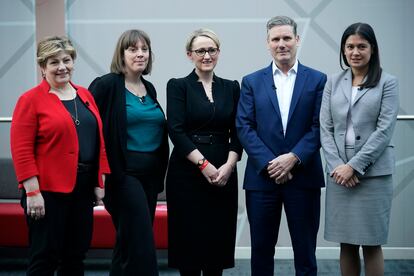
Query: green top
[[145, 123]]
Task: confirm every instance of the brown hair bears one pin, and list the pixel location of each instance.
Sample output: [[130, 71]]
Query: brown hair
[[127, 39]]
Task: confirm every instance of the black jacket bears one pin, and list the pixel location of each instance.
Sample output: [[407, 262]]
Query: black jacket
[[109, 94]]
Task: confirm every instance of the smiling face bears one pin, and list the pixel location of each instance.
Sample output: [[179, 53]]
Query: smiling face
[[207, 62], [282, 44], [357, 51], [58, 69], [136, 58]]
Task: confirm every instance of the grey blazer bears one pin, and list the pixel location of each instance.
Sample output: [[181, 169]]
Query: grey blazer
[[374, 114]]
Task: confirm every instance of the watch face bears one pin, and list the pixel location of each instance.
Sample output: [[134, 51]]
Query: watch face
[[200, 162]]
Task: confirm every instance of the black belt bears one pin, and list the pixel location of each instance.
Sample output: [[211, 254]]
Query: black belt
[[86, 167], [210, 138]]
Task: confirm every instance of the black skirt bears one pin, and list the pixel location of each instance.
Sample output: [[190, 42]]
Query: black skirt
[[202, 218]]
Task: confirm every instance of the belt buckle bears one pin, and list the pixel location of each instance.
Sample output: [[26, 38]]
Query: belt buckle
[[82, 167], [211, 139]]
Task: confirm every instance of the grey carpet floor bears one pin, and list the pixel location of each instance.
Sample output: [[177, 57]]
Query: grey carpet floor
[[100, 267]]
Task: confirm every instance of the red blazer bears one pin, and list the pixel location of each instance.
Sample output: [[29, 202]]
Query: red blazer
[[44, 141]]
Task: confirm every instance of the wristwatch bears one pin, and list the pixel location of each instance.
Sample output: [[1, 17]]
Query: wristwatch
[[201, 162]]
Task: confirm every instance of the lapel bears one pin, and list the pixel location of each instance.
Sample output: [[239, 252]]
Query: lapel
[[149, 89], [269, 87], [346, 85], [197, 85], [301, 77], [360, 94], [120, 111]]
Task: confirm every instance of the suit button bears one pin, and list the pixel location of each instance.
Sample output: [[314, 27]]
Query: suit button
[[358, 137]]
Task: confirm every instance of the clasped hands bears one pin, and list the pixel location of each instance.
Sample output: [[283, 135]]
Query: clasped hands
[[218, 177], [280, 167], [345, 175]]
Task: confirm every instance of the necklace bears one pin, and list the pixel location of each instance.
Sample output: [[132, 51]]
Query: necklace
[[76, 119], [142, 99], [60, 95], [135, 89], [208, 89]]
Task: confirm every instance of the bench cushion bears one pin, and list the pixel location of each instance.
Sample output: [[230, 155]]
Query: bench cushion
[[13, 228]]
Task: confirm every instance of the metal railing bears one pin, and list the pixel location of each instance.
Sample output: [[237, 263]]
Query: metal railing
[[5, 119], [399, 118]]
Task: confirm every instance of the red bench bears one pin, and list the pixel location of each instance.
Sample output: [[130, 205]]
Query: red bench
[[13, 228]]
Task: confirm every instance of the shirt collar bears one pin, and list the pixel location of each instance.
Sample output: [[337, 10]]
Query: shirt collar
[[276, 70]]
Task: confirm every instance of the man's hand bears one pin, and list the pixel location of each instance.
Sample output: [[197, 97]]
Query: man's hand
[[279, 168], [283, 179]]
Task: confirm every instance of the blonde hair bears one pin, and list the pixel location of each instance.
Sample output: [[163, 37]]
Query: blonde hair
[[127, 39], [51, 46], [201, 32]]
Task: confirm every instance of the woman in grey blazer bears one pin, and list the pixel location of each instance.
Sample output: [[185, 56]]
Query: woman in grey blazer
[[358, 114]]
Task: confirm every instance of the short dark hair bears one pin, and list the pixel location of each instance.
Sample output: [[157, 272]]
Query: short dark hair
[[127, 39], [374, 67]]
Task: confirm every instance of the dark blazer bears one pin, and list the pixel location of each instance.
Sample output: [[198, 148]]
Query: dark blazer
[[44, 142], [260, 129], [109, 93], [187, 95]]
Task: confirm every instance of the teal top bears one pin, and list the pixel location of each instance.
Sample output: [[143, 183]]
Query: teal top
[[145, 123]]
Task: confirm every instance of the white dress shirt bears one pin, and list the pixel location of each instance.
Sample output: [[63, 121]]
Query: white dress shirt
[[350, 134], [284, 84]]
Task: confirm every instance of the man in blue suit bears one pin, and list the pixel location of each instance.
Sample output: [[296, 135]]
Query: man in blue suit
[[278, 125]]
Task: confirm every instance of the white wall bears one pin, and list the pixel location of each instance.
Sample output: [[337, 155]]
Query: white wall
[[95, 25]]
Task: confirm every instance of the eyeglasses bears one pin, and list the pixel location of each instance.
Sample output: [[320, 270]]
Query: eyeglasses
[[211, 51]]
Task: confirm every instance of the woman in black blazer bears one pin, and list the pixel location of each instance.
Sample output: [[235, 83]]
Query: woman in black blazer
[[137, 148], [202, 177]]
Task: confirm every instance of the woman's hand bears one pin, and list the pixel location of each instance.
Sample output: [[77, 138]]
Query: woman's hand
[[99, 195], [210, 172], [352, 182], [35, 206], [224, 173], [344, 175]]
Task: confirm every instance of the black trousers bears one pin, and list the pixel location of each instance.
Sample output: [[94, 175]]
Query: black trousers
[[60, 240], [133, 210]]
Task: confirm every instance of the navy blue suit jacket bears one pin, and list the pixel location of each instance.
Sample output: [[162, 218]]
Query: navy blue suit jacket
[[260, 130]]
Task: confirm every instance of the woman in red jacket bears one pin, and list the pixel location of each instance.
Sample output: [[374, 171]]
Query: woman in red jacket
[[60, 161]]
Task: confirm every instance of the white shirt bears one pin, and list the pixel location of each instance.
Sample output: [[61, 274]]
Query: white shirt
[[350, 134], [284, 89]]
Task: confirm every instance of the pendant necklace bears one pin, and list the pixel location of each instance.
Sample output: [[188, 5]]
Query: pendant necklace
[[76, 119], [141, 99]]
